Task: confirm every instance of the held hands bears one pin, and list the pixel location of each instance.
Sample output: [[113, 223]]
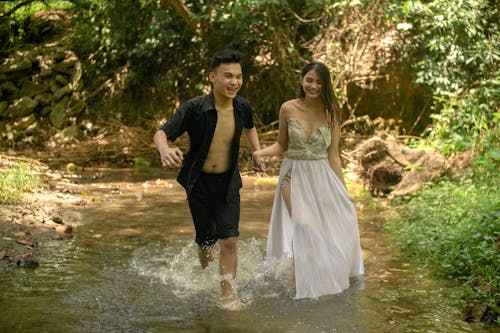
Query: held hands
[[258, 161], [171, 157]]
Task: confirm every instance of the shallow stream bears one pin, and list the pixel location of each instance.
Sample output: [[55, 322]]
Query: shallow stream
[[132, 267]]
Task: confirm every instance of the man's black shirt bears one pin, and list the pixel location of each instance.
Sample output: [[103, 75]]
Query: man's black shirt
[[198, 117]]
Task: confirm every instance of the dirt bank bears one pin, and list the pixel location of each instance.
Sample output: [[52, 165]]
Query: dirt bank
[[46, 215]]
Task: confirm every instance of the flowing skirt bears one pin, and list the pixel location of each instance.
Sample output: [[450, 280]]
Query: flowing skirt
[[322, 234]]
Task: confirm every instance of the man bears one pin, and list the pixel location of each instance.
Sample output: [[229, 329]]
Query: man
[[209, 171]]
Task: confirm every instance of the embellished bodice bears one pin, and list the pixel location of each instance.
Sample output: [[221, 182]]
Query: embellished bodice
[[302, 147]]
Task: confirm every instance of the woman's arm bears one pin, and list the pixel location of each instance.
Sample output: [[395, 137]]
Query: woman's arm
[[278, 147]]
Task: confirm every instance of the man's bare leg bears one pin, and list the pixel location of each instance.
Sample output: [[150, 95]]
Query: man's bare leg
[[205, 254], [227, 264]]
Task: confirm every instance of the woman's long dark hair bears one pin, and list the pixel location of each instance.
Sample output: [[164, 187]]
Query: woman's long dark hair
[[332, 109]]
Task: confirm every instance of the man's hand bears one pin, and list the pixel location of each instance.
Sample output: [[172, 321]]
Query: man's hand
[[171, 157], [258, 161]]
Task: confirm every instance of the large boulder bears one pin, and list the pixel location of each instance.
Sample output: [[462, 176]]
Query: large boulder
[[387, 166]]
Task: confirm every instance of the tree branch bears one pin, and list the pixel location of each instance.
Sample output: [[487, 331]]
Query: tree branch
[[183, 12]]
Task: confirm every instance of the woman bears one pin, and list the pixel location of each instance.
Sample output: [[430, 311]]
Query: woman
[[313, 219]]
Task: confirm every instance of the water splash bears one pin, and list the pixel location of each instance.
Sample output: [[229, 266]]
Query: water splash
[[175, 264]]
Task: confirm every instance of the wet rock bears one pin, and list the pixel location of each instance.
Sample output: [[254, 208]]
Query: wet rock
[[24, 260], [57, 219], [64, 231], [21, 107]]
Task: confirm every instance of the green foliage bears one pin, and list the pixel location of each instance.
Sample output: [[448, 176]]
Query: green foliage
[[13, 27], [468, 119], [15, 181], [455, 48], [140, 163], [139, 35], [455, 228], [153, 46], [34, 6]]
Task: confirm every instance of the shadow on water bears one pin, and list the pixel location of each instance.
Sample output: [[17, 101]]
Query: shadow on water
[[132, 267]]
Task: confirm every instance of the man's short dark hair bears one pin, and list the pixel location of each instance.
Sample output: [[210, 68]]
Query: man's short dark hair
[[224, 57]]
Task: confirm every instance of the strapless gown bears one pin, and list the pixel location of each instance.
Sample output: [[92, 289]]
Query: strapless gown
[[322, 233]]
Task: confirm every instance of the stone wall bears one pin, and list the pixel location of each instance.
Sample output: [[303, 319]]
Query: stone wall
[[39, 93]]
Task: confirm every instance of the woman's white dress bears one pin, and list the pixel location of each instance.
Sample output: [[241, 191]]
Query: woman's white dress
[[322, 234]]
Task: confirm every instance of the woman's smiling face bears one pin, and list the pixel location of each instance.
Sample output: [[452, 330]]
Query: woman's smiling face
[[311, 84]]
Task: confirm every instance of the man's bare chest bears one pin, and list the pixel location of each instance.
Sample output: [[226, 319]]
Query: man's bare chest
[[225, 127]]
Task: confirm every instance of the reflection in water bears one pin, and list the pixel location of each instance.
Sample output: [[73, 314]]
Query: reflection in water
[[133, 267]]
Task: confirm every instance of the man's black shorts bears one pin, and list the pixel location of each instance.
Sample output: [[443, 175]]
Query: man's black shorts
[[214, 217]]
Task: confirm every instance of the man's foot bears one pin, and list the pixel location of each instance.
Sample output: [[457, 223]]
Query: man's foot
[[231, 304], [227, 289]]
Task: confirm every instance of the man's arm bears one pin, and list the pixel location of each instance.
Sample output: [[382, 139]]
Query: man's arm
[[170, 157], [253, 139]]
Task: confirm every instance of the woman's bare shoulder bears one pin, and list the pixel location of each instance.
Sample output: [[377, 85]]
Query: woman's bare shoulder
[[290, 105], [291, 102]]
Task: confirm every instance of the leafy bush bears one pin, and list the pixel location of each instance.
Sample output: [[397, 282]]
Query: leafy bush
[[136, 34], [149, 47], [454, 47], [455, 228]]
